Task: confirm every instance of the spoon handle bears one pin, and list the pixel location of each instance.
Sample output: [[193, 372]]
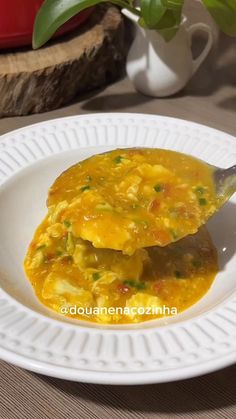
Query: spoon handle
[[225, 180]]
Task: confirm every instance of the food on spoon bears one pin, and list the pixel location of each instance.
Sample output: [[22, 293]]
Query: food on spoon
[[130, 199]]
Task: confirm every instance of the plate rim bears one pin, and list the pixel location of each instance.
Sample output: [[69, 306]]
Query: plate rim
[[104, 378], [116, 114]]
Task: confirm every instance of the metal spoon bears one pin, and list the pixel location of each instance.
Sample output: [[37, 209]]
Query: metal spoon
[[225, 183]]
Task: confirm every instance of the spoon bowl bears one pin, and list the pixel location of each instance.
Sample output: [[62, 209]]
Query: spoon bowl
[[225, 182]]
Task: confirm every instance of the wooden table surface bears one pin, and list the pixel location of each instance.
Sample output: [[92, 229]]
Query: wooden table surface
[[210, 98]]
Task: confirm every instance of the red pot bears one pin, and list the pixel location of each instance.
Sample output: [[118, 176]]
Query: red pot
[[17, 20]]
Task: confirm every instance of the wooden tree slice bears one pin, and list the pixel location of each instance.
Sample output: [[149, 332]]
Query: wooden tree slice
[[42, 80]]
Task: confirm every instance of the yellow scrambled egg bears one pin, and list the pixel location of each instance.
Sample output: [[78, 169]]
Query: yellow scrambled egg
[[134, 198], [106, 240]]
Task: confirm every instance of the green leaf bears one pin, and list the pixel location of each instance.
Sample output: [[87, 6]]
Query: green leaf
[[134, 284], [118, 159], [85, 188], [174, 234], [67, 223], [168, 24], [152, 11], [158, 187], [202, 201], [96, 276], [224, 13], [53, 14], [175, 4], [41, 247]]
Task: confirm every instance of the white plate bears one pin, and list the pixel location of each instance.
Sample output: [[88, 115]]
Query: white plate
[[200, 340]]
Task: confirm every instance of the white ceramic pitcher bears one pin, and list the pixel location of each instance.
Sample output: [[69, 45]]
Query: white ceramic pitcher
[[158, 68]]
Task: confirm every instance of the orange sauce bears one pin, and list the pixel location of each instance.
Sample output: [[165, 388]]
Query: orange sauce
[[106, 241]]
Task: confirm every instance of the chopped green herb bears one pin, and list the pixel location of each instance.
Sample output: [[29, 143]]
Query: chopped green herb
[[196, 263], [202, 201], [41, 247], [140, 286], [158, 187], [96, 276], [85, 188], [70, 245], [89, 178], [118, 159], [104, 206], [67, 223], [200, 190], [174, 234], [59, 252], [178, 274], [134, 284]]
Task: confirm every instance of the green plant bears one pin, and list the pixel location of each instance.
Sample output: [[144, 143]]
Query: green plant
[[161, 15]]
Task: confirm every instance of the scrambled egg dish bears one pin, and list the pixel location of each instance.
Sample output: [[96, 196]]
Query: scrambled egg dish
[[111, 236]]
